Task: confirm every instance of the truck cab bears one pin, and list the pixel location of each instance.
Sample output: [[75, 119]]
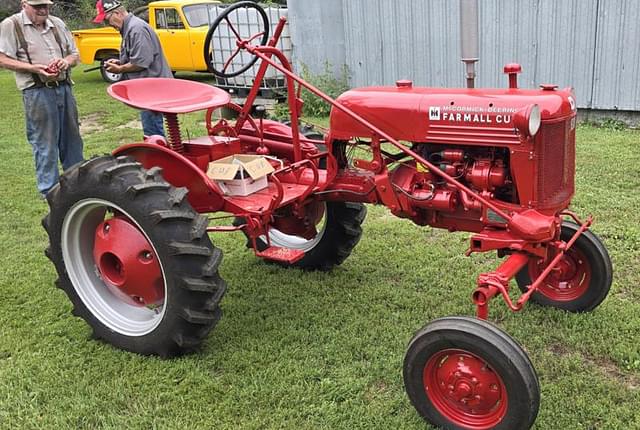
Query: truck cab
[[181, 26]]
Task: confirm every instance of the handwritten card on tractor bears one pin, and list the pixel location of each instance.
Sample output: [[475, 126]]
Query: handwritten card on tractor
[[240, 175]]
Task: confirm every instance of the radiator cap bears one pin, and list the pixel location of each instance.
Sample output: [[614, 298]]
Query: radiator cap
[[549, 87], [404, 83]]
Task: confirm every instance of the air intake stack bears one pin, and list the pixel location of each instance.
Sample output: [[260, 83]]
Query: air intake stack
[[469, 38]]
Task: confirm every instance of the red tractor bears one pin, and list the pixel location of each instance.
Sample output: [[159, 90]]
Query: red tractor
[[129, 232]]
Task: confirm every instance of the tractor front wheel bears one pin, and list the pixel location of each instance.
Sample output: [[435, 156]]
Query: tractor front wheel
[[133, 257], [582, 279], [465, 373]]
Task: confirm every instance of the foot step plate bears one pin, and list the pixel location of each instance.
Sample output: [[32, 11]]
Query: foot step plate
[[284, 255]]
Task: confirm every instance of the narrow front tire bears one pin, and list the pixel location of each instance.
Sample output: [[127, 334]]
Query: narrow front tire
[[465, 373], [582, 278]]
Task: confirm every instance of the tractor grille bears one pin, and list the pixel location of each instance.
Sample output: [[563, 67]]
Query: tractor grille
[[555, 154]]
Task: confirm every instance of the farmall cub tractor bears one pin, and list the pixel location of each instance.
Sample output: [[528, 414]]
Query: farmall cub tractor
[[130, 240]]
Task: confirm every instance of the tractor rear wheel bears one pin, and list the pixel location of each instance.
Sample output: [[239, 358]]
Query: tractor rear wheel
[[339, 231], [134, 257], [465, 373], [583, 276]]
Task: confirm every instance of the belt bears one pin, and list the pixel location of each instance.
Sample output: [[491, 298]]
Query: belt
[[50, 84]]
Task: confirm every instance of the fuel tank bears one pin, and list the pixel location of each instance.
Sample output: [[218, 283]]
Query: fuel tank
[[411, 113]]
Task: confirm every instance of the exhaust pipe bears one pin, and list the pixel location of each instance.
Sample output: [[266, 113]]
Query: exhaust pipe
[[469, 38]]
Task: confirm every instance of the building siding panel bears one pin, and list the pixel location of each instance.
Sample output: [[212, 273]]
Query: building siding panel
[[590, 45]]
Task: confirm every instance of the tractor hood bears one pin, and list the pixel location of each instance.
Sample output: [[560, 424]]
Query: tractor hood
[[407, 113]]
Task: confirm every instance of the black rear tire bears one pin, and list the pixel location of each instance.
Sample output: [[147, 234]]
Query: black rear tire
[[462, 373], [334, 242], [103, 192]]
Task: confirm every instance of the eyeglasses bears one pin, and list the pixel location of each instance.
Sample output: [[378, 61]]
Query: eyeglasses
[[39, 6]]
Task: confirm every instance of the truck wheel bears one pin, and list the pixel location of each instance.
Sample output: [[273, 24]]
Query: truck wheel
[[134, 257], [339, 231], [109, 77], [462, 372], [583, 278]]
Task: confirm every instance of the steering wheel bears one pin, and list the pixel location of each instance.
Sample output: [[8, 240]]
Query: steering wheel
[[223, 126], [209, 54]]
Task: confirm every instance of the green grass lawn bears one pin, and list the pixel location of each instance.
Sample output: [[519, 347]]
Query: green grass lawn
[[306, 350]]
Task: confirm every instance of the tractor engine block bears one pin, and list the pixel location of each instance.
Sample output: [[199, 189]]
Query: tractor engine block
[[485, 170]]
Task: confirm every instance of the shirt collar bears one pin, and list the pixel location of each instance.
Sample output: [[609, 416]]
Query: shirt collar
[[125, 23]]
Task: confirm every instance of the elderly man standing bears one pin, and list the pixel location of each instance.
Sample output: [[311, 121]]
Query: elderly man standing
[[140, 54], [40, 49]]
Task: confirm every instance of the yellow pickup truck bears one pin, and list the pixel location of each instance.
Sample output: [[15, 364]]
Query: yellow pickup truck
[[181, 25]]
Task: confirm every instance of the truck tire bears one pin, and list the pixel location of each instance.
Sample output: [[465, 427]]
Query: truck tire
[[133, 257], [109, 77]]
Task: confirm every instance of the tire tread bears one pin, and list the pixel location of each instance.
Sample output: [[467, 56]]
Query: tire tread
[[194, 287]]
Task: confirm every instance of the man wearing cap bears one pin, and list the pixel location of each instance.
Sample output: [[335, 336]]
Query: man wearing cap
[[40, 49], [140, 54]]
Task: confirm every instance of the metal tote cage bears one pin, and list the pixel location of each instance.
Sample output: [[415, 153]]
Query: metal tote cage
[[247, 23]]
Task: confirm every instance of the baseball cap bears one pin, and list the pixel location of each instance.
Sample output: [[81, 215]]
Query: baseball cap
[[38, 2], [103, 7]]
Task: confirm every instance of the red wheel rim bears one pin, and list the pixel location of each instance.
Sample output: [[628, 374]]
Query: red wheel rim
[[465, 389], [568, 281], [127, 263]]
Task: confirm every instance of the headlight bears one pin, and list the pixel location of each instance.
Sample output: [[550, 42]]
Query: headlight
[[527, 120], [534, 120]]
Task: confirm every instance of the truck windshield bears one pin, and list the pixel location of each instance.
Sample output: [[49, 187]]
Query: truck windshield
[[198, 15]]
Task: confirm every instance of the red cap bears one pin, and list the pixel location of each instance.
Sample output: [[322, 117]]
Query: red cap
[[103, 8]]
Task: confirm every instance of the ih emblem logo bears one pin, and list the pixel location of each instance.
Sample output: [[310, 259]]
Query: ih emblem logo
[[434, 113]]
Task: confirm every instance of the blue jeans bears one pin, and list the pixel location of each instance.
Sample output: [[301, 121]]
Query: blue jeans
[[52, 130], [152, 123]]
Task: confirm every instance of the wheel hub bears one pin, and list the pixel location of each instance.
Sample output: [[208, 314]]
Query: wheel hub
[[568, 280], [465, 389], [565, 270], [127, 264]]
